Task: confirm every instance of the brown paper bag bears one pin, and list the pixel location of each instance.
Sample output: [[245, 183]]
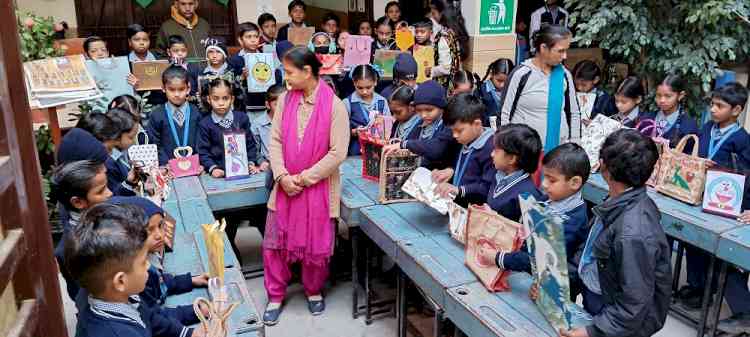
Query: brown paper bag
[[683, 176], [300, 36], [214, 236], [488, 231], [395, 170]]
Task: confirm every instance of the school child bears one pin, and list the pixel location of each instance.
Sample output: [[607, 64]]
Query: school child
[[267, 24], [628, 98], [330, 25], [384, 36], [79, 144], [177, 50], [297, 13], [281, 48], [727, 145], [159, 284], [474, 171], [139, 42], [586, 78], [322, 43], [211, 129], [248, 37], [174, 123], [404, 73], [566, 169], [464, 81], [95, 48], [122, 176], [515, 157], [493, 83], [364, 28], [625, 262], [131, 105], [260, 125], [737, 294], [436, 144], [219, 65], [363, 101], [111, 132], [444, 65], [107, 255], [406, 126], [672, 122], [393, 13], [76, 186]]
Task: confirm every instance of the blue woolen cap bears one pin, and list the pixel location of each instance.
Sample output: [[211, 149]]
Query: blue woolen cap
[[148, 206], [405, 67], [431, 93], [79, 144]]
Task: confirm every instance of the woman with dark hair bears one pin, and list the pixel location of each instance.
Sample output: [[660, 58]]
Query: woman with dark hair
[[309, 141], [450, 39], [541, 93]]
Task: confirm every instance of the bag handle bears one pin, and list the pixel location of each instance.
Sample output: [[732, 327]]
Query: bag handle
[[197, 308], [177, 150], [647, 124], [680, 148], [138, 137]]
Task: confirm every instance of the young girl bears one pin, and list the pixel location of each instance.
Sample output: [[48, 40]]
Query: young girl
[[402, 108], [216, 57], [671, 121], [222, 119], [95, 48], [586, 77], [628, 98], [464, 81], [122, 177], [493, 84], [139, 42], [364, 28], [362, 102], [393, 13], [383, 36]]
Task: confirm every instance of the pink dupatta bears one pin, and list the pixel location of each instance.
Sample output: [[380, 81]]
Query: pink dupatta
[[304, 221]]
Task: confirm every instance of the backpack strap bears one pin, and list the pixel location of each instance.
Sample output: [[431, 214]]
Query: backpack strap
[[519, 91]]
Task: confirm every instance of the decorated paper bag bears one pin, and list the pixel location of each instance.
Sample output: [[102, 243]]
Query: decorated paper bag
[[404, 38], [300, 36], [214, 236], [235, 156], [421, 187], [648, 127], [724, 193], [331, 64], [357, 50], [168, 227], [683, 176], [260, 72], [184, 165], [425, 57], [144, 155], [594, 134], [380, 126], [457, 217], [372, 149], [149, 74], [386, 60], [487, 232], [395, 169]]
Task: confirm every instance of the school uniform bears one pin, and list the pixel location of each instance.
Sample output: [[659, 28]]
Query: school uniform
[[435, 145], [674, 127], [492, 99], [159, 285], [170, 127], [474, 170], [631, 119], [117, 174], [79, 144], [604, 104], [260, 127], [359, 115], [105, 319], [503, 193], [69, 220], [210, 142], [407, 130], [195, 72], [573, 212]]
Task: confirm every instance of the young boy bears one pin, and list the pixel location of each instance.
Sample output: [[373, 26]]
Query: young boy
[[474, 170], [443, 68], [297, 10], [515, 157], [566, 170], [175, 123], [436, 144], [404, 73], [727, 145], [107, 255], [625, 263], [260, 125], [249, 38], [267, 24], [330, 26], [177, 50]]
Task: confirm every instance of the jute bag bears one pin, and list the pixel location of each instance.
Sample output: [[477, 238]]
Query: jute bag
[[487, 230], [395, 169], [683, 176], [217, 324], [647, 127], [214, 236]]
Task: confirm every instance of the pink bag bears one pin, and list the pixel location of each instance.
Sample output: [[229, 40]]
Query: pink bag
[[357, 50], [184, 166]]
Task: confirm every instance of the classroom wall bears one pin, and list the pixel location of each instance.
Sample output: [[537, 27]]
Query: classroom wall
[[249, 10], [61, 10]]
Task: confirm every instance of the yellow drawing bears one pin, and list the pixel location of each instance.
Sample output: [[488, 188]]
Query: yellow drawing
[[425, 57], [262, 72]]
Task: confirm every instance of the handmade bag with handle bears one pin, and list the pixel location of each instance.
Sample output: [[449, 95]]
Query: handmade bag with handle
[[647, 127], [395, 169], [457, 218], [371, 144], [683, 176], [487, 230], [594, 135], [219, 309], [357, 50], [184, 166], [147, 154]]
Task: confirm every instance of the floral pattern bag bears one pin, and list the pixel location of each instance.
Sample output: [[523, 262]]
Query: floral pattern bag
[[594, 135], [683, 176]]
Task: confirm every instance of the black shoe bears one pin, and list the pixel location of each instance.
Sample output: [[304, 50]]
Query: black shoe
[[271, 317], [316, 307], [688, 292], [695, 302]]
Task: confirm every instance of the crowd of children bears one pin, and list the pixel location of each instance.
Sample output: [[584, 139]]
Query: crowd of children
[[618, 260]]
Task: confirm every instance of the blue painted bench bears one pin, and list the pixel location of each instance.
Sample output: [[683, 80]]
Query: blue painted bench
[[188, 188], [226, 194]]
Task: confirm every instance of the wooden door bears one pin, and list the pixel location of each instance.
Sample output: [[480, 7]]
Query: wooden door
[[109, 19], [30, 304]]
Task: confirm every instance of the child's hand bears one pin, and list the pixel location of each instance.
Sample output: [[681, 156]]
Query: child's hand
[[446, 190], [710, 164], [534, 291], [132, 177], [245, 73], [132, 80], [744, 217], [252, 169], [585, 121], [487, 256], [264, 166], [390, 148], [198, 331], [578, 332], [200, 280], [428, 71], [441, 176], [217, 173]]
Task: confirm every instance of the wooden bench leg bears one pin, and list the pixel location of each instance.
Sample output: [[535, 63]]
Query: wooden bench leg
[[354, 239], [722, 284], [401, 303], [707, 296], [677, 268]]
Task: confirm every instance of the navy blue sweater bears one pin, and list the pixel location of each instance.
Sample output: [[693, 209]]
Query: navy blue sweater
[[159, 132], [438, 152], [685, 125], [211, 140], [478, 176], [492, 108], [91, 324], [153, 296], [604, 104], [117, 173], [506, 202], [737, 145]]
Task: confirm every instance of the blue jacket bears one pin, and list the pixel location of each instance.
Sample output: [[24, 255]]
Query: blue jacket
[[492, 107], [254, 100], [158, 287], [737, 145], [438, 152], [685, 125], [211, 140], [160, 133], [113, 324], [504, 201], [478, 171], [604, 104], [359, 117]]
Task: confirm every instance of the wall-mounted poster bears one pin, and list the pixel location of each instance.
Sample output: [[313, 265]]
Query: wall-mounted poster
[[723, 194], [235, 156], [260, 75]]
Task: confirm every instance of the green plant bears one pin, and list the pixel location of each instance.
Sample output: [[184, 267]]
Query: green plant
[[37, 36], [44, 141], [692, 38]]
